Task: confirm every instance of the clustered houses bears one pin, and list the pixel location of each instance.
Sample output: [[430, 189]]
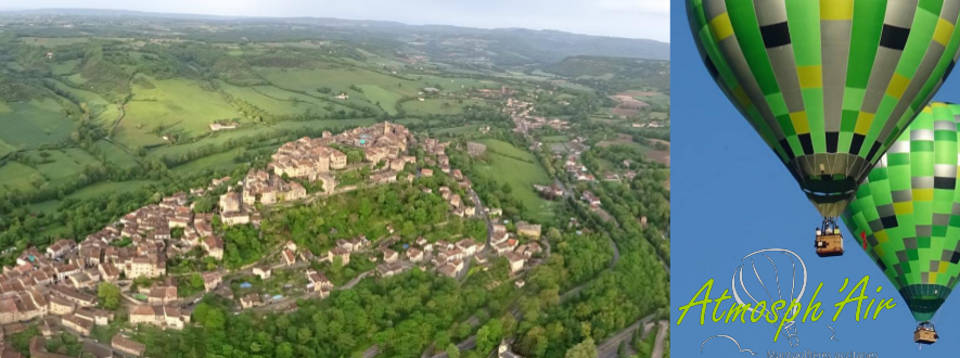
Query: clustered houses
[[59, 281], [476, 148], [591, 199], [319, 283], [314, 158], [519, 111], [42, 284], [576, 170], [251, 300], [505, 245], [391, 264], [552, 192], [163, 316], [450, 258], [572, 165], [456, 202], [160, 294], [268, 189]]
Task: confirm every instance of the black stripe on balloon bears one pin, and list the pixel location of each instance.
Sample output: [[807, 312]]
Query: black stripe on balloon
[[806, 143], [832, 139], [894, 37], [775, 35]]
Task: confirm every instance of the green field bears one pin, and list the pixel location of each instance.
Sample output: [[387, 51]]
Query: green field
[[445, 106], [212, 162], [336, 77], [470, 128], [376, 87], [65, 67], [97, 106], [278, 102], [249, 132], [458, 84], [519, 169], [378, 95], [63, 166], [53, 41], [114, 155], [34, 123], [17, 176], [108, 188], [175, 105]]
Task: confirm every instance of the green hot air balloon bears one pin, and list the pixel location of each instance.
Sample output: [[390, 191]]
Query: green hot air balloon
[[829, 84], [908, 211]]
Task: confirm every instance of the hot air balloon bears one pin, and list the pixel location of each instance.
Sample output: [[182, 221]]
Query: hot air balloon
[[908, 213], [830, 84]]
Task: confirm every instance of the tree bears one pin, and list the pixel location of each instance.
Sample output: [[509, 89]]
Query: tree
[[284, 350], [534, 343], [109, 295], [209, 316], [489, 335], [204, 204], [190, 284], [585, 349], [453, 351]]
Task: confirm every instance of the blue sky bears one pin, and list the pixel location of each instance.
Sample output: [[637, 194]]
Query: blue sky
[[621, 18], [725, 177]]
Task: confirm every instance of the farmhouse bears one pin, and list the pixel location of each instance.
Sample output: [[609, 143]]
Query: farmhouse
[[528, 230], [77, 324], [126, 345], [213, 245], [340, 252], [211, 280]]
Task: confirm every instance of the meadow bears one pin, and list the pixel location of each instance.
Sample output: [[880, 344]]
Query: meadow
[[38, 122], [441, 106], [171, 106], [156, 113], [520, 169]]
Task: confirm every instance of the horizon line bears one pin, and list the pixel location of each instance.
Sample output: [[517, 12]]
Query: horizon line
[[276, 17]]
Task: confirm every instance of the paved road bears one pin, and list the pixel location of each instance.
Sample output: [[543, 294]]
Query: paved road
[[371, 352], [483, 212], [355, 280], [661, 336], [465, 345], [609, 347]]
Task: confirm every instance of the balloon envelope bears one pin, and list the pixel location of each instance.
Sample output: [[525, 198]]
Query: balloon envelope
[[908, 209], [827, 84]]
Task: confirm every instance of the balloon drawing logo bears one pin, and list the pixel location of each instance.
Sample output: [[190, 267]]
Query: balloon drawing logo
[[760, 277], [768, 275]]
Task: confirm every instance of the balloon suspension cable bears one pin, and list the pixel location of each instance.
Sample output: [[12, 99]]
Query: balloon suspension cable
[[829, 224]]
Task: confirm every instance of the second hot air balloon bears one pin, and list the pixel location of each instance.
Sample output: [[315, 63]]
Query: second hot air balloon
[[828, 85], [908, 212]]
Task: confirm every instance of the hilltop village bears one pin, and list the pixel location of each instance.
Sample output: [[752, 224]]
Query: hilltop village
[[60, 286]]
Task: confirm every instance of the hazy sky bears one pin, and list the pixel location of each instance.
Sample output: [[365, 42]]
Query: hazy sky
[[623, 18]]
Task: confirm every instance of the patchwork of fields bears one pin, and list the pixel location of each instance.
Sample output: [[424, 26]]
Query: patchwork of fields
[[147, 114]]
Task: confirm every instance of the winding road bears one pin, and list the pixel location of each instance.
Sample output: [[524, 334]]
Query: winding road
[[609, 347]]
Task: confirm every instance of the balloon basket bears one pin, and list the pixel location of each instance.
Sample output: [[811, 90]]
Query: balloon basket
[[925, 334], [829, 245], [829, 241]]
